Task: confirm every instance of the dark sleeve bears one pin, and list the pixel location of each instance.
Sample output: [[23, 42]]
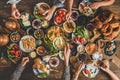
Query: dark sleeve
[[58, 3], [66, 73], [17, 73]]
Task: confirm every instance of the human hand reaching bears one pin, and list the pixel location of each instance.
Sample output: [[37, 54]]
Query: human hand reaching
[[67, 54], [68, 16], [95, 5], [25, 60], [49, 13], [106, 63], [15, 12]]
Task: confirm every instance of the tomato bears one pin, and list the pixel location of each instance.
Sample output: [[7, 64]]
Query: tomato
[[60, 12], [12, 51], [60, 15], [75, 39], [64, 13], [82, 40], [17, 53], [86, 71], [82, 6], [58, 19]]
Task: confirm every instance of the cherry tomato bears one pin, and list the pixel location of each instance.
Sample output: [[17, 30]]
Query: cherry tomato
[[86, 71], [63, 18], [75, 39], [61, 15], [82, 40], [64, 13], [60, 12]]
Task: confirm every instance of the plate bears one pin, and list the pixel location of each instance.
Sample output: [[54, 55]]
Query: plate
[[59, 43], [61, 55], [60, 16], [90, 70], [53, 32], [25, 20], [110, 48], [38, 11], [40, 73], [14, 53], [27, 43], [85, 9]]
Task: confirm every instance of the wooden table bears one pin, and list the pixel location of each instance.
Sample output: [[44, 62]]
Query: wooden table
[[27, 74]]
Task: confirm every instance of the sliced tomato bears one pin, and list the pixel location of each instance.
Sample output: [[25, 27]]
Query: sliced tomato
[[75, 39], [58, 20], [60, 12], [82, 40], [64, 13]]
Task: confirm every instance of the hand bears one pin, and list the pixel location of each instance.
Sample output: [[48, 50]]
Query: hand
[[106, 62], [95, 5], [77, 72], [15, 12], [66, 54], [49, 13], [68, 16], [25, 60]]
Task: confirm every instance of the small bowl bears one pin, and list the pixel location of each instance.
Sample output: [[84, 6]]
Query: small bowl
[[32, 54], [36, 24], [39, 34], [30, 31], [80, 49], [91, 48], [97, 56], [54, 61], [14, 36], [75, 15], [40, 51], [82, 57]]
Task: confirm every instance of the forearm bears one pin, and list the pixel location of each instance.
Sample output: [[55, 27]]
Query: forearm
[[17, 73], [112, 75], [66, 73], [106, 2], [70, 3]]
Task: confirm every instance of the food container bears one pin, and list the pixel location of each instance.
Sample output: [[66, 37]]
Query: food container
[[36, 24], [39, 34], [41, 51], [32, 54], [54, 62], [75, 15], [14, 36], [4, 39], [80, 49]]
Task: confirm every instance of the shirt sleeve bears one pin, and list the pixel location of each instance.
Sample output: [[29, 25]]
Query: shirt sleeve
[[17, 73], [66, 73], [13, 1], [58, 3]]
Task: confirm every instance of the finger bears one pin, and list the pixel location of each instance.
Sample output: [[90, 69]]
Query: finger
[[45, 12]]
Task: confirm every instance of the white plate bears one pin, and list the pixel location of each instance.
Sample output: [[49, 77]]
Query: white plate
[[21, 43], [37, 72], [93, 70], [61, 41]]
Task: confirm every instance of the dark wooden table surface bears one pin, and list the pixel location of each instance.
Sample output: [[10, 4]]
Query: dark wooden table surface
[[27, 5]]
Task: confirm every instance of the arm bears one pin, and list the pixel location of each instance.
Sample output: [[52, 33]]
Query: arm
[[96, 5], [107, 70], [17, 73], [69, 6], [14, 11], [66, 75]]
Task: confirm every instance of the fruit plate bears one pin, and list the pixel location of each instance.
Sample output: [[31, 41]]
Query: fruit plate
[[27, 43], [42, 74], [39, 9], [14, 53], [60, 16], [90, 70]]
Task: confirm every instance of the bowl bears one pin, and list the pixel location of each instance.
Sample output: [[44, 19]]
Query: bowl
[[54, 62], [69, 27], [32, 54], [75, 15], [36, 23], [90, 48], [39, 34], [80, 49], [14, 36], [41, 51]]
